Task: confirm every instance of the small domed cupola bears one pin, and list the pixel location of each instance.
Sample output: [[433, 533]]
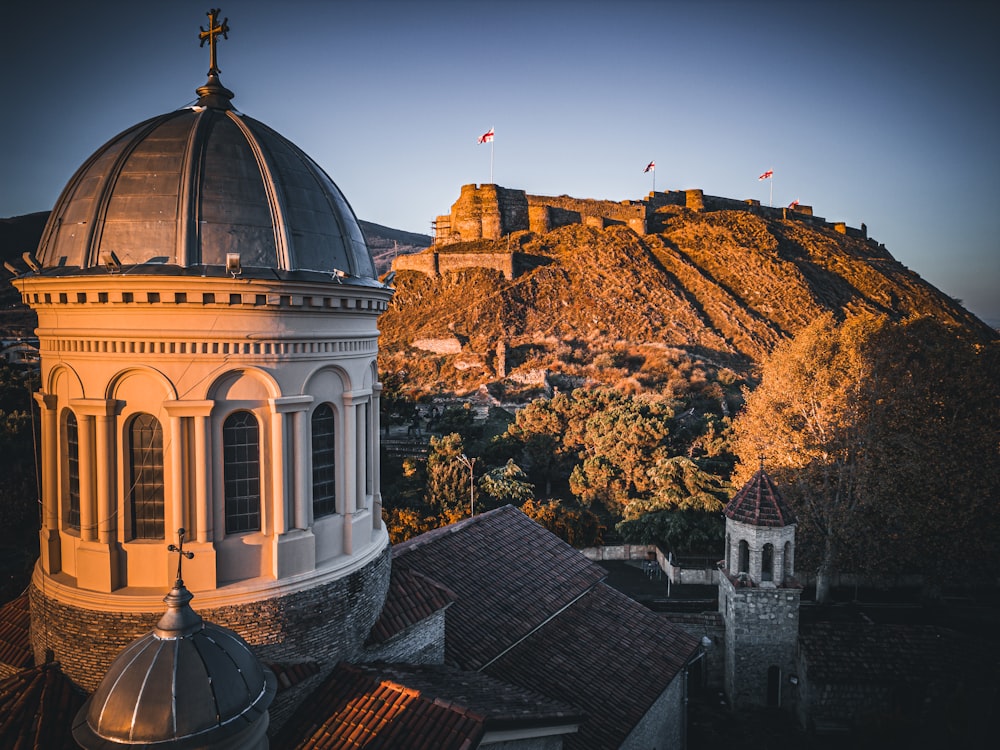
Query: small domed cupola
[[186, 684], [760, 534]]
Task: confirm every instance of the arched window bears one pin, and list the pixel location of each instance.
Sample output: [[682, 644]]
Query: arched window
[[145, 495], [729, 554], [241, 472], [744, 556], [786, 563], [324, 461], [72, 473], [767, 563]]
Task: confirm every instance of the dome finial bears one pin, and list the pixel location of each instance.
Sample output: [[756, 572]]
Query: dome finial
[[213, 93]]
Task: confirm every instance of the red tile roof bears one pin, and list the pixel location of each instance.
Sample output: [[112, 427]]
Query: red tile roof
[[15, 636], [412, 597], [510, 575], [37, 707], [290, 674], [356, 708], [605, 653], [760, 504]]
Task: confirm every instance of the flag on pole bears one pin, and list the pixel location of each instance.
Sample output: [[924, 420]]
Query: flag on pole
[[794, 203], [486, 137], [767, 175], [650, 167]]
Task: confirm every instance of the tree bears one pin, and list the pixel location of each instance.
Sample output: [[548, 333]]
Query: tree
[[682, 532], [853, 421], [447, 479], [507, 484], [578, 527], [681, 484]]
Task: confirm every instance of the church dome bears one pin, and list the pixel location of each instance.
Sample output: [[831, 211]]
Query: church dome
[[188, 683], [180, 192]]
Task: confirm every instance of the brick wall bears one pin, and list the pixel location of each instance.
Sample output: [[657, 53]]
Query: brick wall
[[327, 623]]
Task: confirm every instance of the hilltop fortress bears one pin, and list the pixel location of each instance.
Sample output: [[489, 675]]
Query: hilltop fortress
[[490, 212]]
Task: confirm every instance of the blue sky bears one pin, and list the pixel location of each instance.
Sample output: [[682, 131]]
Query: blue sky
[[877, 112]]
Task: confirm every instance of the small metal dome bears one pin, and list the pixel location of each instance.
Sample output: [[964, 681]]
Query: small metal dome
[[187, 684], [192, 186]]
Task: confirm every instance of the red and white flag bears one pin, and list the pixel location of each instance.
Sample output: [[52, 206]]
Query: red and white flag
[[794, 203], [767, 175], [650, 167], [487, 136]]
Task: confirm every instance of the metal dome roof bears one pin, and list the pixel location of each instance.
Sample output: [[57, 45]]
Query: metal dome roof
[[189, 187], [188, 683]]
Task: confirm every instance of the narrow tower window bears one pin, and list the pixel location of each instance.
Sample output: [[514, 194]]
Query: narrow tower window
[[744, 557], [767, 563], [72, 473], [241, 472], [324, 463], [146, 477]]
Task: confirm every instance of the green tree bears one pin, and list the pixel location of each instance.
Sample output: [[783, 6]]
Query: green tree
[[506, 484], [447, 478], [682, 532], [680, 484]]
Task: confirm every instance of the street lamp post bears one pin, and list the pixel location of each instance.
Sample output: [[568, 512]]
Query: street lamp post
[[470, 464]]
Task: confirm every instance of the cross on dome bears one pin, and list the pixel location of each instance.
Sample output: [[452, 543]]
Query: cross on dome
[[181, 554], [211, 33]]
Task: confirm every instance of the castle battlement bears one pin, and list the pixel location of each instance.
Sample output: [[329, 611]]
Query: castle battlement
[[490, 212]]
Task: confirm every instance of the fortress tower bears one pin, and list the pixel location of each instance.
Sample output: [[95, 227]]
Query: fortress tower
[[207, 313], [758, 595]]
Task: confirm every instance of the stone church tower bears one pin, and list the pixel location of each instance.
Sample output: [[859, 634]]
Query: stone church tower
[[758, 595], [207, 311]]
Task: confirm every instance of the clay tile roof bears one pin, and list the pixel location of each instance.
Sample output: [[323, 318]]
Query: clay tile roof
[[290, 674], [509, 575], [362, 709], [15, 638], [608, 655], [760, 504], [412, 597], [37, 707]]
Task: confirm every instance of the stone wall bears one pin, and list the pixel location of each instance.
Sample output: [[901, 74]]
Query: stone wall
[[421, 643], [326, 623], [665, 723], [762, 630]]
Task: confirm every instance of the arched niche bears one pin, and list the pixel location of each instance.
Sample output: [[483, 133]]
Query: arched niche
[[247, 384]]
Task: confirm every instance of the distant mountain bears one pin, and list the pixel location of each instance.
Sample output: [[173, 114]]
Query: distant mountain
[[386, 243], [716, 286]]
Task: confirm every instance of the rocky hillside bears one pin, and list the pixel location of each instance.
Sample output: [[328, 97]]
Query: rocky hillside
[[721, 287]]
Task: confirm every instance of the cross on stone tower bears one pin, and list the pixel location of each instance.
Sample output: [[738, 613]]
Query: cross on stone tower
[[214, 29], [179, 548]]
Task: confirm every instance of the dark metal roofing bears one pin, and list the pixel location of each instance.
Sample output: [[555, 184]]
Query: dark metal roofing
[[186, 681], [190, 186], [759, 503]]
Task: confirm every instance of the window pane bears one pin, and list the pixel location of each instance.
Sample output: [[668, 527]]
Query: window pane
[[146, 477], [241, 472], [73, 472], [324, 461]]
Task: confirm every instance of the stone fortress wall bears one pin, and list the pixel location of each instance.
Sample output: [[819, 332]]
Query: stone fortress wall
[[490, 212]]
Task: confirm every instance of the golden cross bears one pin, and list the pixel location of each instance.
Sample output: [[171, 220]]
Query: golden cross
[[179, 548], [214, 29]]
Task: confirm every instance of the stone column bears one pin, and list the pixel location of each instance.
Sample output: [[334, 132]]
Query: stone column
[[191, 498], [48, 535], [376, 457], [350, 473], [97, 553], [295, 547]]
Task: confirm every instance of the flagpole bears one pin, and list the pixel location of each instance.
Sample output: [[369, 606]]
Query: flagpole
[[492, 142], [770, 195]]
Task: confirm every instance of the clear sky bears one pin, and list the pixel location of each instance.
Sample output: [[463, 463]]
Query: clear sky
[[879, 112]]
